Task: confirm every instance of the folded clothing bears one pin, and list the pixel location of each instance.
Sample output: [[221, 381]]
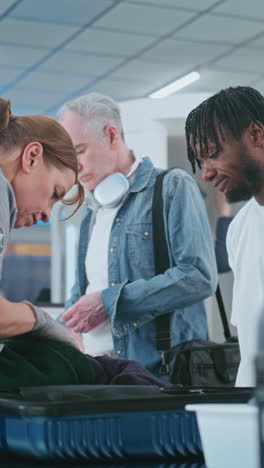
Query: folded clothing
[[27, 361]]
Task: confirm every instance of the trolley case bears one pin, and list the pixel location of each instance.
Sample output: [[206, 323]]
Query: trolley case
[[105, 422]]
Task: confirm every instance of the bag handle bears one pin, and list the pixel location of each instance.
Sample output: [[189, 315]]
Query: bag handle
[[162, 263]]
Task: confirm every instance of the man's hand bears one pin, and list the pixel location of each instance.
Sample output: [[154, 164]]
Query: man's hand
[[85, 314], [223, 208]]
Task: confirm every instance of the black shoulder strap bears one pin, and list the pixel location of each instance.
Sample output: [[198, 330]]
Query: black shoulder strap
[[161, 257], [162, 263], [221, 307]]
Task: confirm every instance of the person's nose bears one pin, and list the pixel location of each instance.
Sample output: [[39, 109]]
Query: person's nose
[[80, 162], [45, 215], [79, 165], [209, 172]]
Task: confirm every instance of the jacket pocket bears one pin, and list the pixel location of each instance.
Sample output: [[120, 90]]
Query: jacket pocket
[[140, 248]]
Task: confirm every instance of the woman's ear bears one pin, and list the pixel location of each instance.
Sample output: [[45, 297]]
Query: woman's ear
[[31, 156]]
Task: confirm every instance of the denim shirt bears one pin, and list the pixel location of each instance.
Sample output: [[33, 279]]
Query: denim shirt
[[135, 295]]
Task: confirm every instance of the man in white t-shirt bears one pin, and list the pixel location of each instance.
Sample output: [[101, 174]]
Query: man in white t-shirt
[[225, 137]]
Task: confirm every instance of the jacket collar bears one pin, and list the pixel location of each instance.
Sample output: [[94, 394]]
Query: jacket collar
[[142, 176]]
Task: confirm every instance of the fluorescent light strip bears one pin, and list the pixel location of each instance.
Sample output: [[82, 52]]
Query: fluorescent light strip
[[175, 85]]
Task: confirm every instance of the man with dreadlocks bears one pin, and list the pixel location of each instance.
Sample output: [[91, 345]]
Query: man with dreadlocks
[[225, 137]]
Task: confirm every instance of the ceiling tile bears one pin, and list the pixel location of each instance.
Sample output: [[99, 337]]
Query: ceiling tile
[[4, 5], [9, 74], [253, 9], [151, 73], [190, 4], [35, 27], [77, 12], [16, 56], [79, 64], [34, 99], [143, 19], [112, 42], [34, 33], [184, 53], [214, 80], [259, 85], [54, 82], [120, 90], [213, 28], [243, 60], [257, 44], [27, 109]]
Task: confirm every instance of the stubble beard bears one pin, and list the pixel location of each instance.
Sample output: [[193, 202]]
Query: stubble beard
[[251, 180]]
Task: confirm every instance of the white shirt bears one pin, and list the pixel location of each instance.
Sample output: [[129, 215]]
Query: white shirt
[[99, 340], [245, 246]]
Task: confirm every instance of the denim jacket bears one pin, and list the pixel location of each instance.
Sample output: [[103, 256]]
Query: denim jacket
[[135, 296]]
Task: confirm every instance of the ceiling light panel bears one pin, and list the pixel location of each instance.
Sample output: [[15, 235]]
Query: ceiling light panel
[[176, 85], [214, 80]]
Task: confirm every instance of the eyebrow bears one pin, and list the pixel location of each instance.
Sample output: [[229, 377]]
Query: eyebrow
[[79, 145]]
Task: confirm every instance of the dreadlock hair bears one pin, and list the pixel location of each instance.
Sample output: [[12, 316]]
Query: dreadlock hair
[[232, 108]]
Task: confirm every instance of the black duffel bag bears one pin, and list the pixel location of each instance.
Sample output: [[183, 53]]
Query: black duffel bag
[[202, 363], [196, 362]]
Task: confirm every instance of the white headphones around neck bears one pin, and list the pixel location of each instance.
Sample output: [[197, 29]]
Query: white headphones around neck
[[112, 189]]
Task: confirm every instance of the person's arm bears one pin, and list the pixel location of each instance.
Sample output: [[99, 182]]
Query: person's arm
[[193, 276], [224, 218], [221, 254], [74, 297], [75, 294], [16, 318]]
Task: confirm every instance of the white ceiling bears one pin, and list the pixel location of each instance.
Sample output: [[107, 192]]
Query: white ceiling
[[54, 50]]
